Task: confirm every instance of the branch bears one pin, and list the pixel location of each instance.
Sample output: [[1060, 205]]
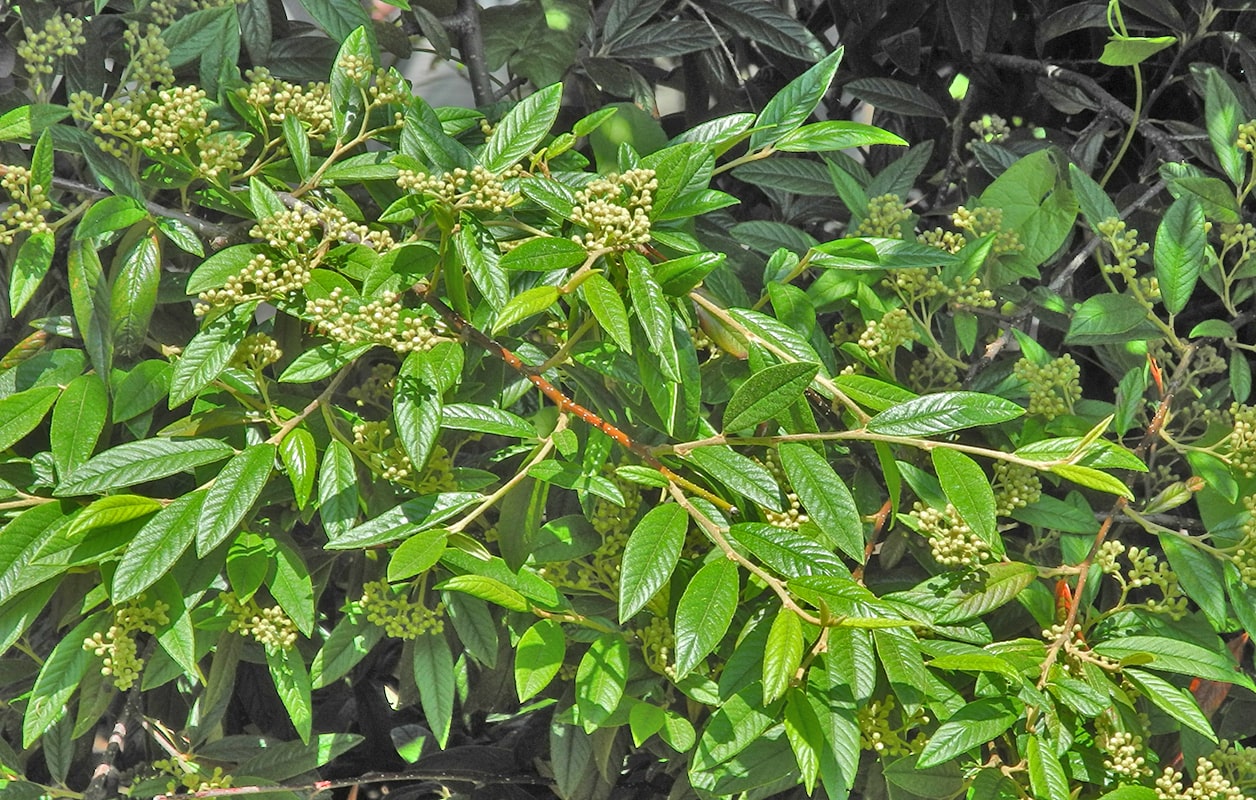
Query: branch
[[207, 229], [465, 23]]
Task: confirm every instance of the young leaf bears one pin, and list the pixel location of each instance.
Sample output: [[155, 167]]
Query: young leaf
[[538, 657], [825, 497], [704, 613], [653, 313], [1222, 114], [417, 555], [434, 676], [1181, 241], [649, 557], [782, 654], [522, 129], [299, 455], [829, 135], [766, 393], [527, 303], [791, 106], [600, 680], [233, 494], [134, 295]]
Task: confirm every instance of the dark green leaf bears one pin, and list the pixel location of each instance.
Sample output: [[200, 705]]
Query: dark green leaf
[[650, 556], [284, 760], [789, 553], [233, 494], [975, 724], [666, 39], [292, 682], [434, 676], [338, 19], [789, 108], [600, 680], [411, 517], [739, 473], [1222, 114], [545, 254], [207, 355], [825, 497], [157, 545], [34, 258], [1177, 703], [1182, 657], [766, 393], [942, 413], [1181, 241], [337, 490], [653, 313], [135, 293], [138, 462], [486, 419], [891, 95], [993, 586], [20, 413], [77, 421], [704, 613]]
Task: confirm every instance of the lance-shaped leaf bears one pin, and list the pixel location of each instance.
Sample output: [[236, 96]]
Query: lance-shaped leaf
[[138, 462], [781, 654], [768, 392], [538, 657], [825, 497], [704, 613], [971, 726], [525, 304], [292, 682], [434, 677], [134, 295], [650, 556], [791, 106], [209, 352], [942, 413], [967, 488], [233, 493], [608, 309], [653, 313], [545, 254], [522, 129], [412, 516], [22, 411], [1181, 241], [600, 680], [157, 545]]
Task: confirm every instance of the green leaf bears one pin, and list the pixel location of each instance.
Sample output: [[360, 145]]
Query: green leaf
[[157, 546], [1046, 774], [349, 642], [645, 720], [299, 455], [608, 309], [1095, 204], [59, 676], [417, 555], [1178, 703], [411, 517], [1038, 204], [538, 657], [1222, 115], [968, 489], [806, 736], [181, 234], [942, 413], [545, 254], [781, 654], [1093, 479], [215, 271], [1201, 575], [319, 362], [134, 296], [1182, 657], [290, 584], [896, 96], [650, 556], [486, 419], [285, 760], [704, 613], [739, 473], [337, 490], [339, 19], [666, 40], [24, 122], [292, 682], [89, 299], [1181, 241], [233, 494], [993, 586], [298, 141], [527, 303], [680, 275], [1126, 51], [740, 721], [21, 413], [768, 392], [489, 589], [142, 388], [1100, 454], [820, 137], [34, 258], [655, 316], [77, 421], [191, 35], [434, 677], [790, 553], [1212, 193], [790, 107], [138, 462], [522, 129], [600, 680], [109, 214], [417, 413], [825, 497], [207, 355], [973, 725]]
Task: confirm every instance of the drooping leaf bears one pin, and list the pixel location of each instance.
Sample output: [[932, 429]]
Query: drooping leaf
[[704, 613], [650, 556]]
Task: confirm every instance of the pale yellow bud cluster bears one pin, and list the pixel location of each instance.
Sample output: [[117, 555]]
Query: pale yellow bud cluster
[[61, 36], [950, 241], [377, 388], [1246, 140], [188, 776], [357, 69], [271, 627], [262, 279], [1148, 570], [987, 219], [383, 321], [881, 337], [791, 518], [1244, 555], [951, 540], [117, 645], [1107, 559], [1053, 387], [599, 571], [1015, 486], [302, 227], [397, 615], [615, 210], [30, 203], [879, 734], [1124, 247], [150, 64], [658, 643], [933, 372], [256, 352], [475, 189], [1210, 784], [1242, 440], [373, 439], [1076, 652], [277, 99], [991, 128], [438, 474], [885, 217], [1125, 757]]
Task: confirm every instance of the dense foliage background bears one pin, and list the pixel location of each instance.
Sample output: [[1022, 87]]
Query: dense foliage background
[[650, 429]]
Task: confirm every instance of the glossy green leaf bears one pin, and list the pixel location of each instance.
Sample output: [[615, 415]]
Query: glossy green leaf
[[655, 316], [417, 413], [942, 413], [974, 725], [825, 497], [739, 473], [21, 413], [321, 361], [1181, 241], [434, 676], [1126, 51], [525, 304], [650, 556], [1222, 114], [134, 297], [522, 129], [704, 613], [766, 393], [1182, 657], [157, 546], [485, 419], [806, 736], [968, 489], [789, 108], [416, 555], [1046, 773], [538, 657], [600, 680], [821, 137], [113, 213], [608, 309], [292, 682], [34, 258], [1036, 203], [233, 494], [413, 516], [78, 418], [545, 254], [782, 654], [993, 586], [138, 462], [300, 458], [1178, 703], [337, 490], [349, 642], [1093, 479], [58, 678], [207, 355], [142, 388], [788, 552], [25, 121]]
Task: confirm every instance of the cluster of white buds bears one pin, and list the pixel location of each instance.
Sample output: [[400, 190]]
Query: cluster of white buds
[[615, 210]]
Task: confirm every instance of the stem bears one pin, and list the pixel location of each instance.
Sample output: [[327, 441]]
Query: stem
[[542, 452], [313, 406], [465, 24]]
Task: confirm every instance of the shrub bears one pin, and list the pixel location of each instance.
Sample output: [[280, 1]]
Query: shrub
[[344, 434]]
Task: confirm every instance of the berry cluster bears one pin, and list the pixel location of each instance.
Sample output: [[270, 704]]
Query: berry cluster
[[885, 218], [476, 189], [30, 202], [1124, 247], [397, 615], [881, 337], [1246, 140], [60, 37], [658, 643], [276, 99], [933, 372], [1146, 570], [270, 627], [1053, 387], [878, 733], [991, 128], [188, 776], [1015, 486], [117, 646], [384, 321], [615, 210], [256, 352], [150, 55]]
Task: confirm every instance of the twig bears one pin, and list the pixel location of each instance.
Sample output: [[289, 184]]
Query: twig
[[465, 23], [104, 782], [438, 776], [207, 229]]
